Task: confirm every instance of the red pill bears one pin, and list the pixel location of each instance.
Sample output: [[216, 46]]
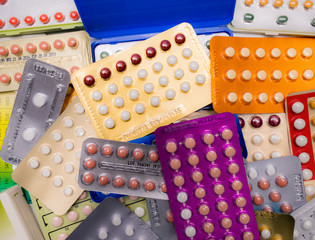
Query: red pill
[[169, 216], [208, 138], [138, 154], [14, 21], [286, 208], [4, 51], [1, 24], [275, 196], [237, 185], [119, 182], [175, 164], [121, 66], [179, 181], [153, 156], [150, 52], [180, 38], [105, 73], [165, 45], [197, 176], [31, 48], [90, 163], [29, 20], [58, 44], [18, 77], [103, 180], [45, 46], [193, 160], [133, 183], [211, 155], [208, 227], [91, 148], [2, 2], [281, 181], [149, 186], [219, 189], [258, 200], [5, 79], [107, 150], [263, 184], [136, 59], [74, 15], [73, 69], [88, 178], [190, 143], [122, 152], [171, 147], [44, 18], [89, 80], [72, 42], [240, 202], [163, 188], [59, 17], [204, 210], [200, 192], [16, 49]]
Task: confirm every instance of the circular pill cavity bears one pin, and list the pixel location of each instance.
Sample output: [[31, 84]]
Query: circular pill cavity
[[119, 102], [232, 97], [150, 186], [148, 88], [278, 97], [171, 147], [304, 157], [139, 108], [45, 150], [197, 176], [179, 181], [275, 196], [182, 197], [263, 184], [190, 143], [307, 174], [88, 178], [157, 67], [257, 139], [277, 75], [208, 227], [275, 154], [275, 139], [200, 79], [285, 207], [89, 80], [129, 231], [297, 107], [172, 60], [293, 3], [309, 190], [34, 164], [222, 206], [244, 218], [229, 52], [186, 214], [275, 52], [155, 101], [185, 87], [241, 121], [179, 74], [119, 182], [89, 163], [193, 159], [31, 48], [252, 173], [307, 225], [258, 156], [72, 42], [125, 116], [248, 2], [165, 45], [262, 75], [163, 188], [246, 75], [307, 52], [193, 66], [180, 38], [237, 185], [200, 192], [72, 216], [45, 172], [208, 138], [79, 131], [229, 151], [258, 200], [226, 134], [44, 18], [57, 221], [270, 170], [135, 59], [97, 95], [274, 120], [190, 231], [59, 17], [58, 44], [103, 109], [308, 74], [293, 75], [245, 52], [187, 52], [133, 183], [142, 74], [301, 141], [175, 164], [127, 81], [112, 88], [29, 134], [102, 234], [226, 222], [231, 74], [215, 172], [116, 220], [247, 97], [263, 97], [211, 155], [150, 52], [219, 189], [248, 235], [204, 210], [291, 53], [163, 81], [240, 202], [57, 159], [260, 53], [86, 210], [140, 212], [57, 136], [103, 180], [16, 49]]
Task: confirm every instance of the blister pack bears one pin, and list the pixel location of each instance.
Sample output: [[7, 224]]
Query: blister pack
[[276, 185], [24, 16], [138, 206], [122, 168], [125, 100], [99, 197], [288, 17], [271, 225], [265, 135], [206, 179], [161, 218], [304, 221], [70, 51], [118, 223], [49, 171], [60, 227], [300, 109], [255, 75], [37, 105]]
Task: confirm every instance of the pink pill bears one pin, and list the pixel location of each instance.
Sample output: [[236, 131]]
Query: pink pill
[[86, 210], [237, 185], [197, 176], [248, 236], [171, 147], [193, 160], [58, 44], [215, 172], [62, 236], [226, 222], [57, 221], [16, 49], [222, 206], [72, 216], [208, 138], [229, 151], [219, 189], [5, 79], [204, 209], [244, 218], [179, 181], [200, 192], [175, 164], [133, 198], [226, 134], [31, 48], [208, 227], [83, 195], [190, 143]]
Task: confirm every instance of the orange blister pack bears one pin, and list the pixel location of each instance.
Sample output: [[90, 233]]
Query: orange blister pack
[[254, 75]]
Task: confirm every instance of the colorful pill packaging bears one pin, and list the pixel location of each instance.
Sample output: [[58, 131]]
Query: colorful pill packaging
[[118, 223], [206, 179], [37, 105], [138, 206], [25, 16], [265, 135], [122, 168], [161, 218], [67, 50], [255, 75], [275, 225], [123, 97], [49, 171], [304, 222], [276, 185], [60, 227], [275, 17]]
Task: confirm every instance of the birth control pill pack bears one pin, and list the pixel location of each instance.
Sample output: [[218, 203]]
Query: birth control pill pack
[[206, 179], [67, 50], [122, 168], [254, 75], [271, 225], [118, 223], [273, 17], [37, 105], [25, 16], [161, 218], [265, 135], [138, 206], [131, 93], [60, 227], [49, 171], [276, 184], [304, 222]]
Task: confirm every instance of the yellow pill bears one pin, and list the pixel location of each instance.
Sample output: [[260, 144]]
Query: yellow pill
[[293, 3], [313, 121], [248, 2], [308, 4], [278, 3], [312, 104]]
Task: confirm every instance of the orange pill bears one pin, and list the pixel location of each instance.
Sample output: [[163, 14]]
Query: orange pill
[[14, 21], [72, 42], [74, 68], [153, 156], [200, 192], [208, 227], [222, 206], [248, 2], [263, 2], [1, 24], [275, 196], [179, 181], [58, 44], [44, 18], [4, 51], [122, 152], [286, 208], [244, 218], [263, 184], [190, 143], [171, 147], [211, 155], [5, 79], [204, 209], [91, 148], [169, 216], [226, 222], [240, 202], [163, 188], [258, 200], [233, 168], [226, 134], [31, 48], [74, 15], [208, 138], [281, 181], [175, 164], [229, 151], [89, 163], [103, 180], [237, 185], [119, 182], [88, 178], [248, 235], [59, 17], [138, 154], [293, 3], [308, 4], [193, 159], [18, 77], [197, 176], [219, 189], [45, 46], [133, 183], [268, 209], [278, 3], [215, 172], [29, 20], [149, 186], [107, 150], [16, 49]]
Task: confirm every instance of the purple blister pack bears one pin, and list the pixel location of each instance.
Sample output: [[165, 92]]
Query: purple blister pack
[[205, 178]]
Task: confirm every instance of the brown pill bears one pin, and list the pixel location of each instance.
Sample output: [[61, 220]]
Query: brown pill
[[91, 149], [240, 202], [119, 182], [219, 189], [138, 154], [215, 172], [179, 181], [175, 164], [281, 181], [226, 134], [105, 73], [107, 150], [180, 38], [133, 183], [258, 200], [171, 147], [169, 216], [150, 52], [122, 152], [229, 151], [237, 185], [268, 209], [149, 186], [193, 160], [222, 206], [197, 176], [263, 184], [135, 59], [208, 227], [90, 163], [275, 196], [286, 208], [208, 138], [103, 180], [226, 222], [163, 188], [153, 156], [204, 210], [248, 236], [190, 143], [244, 218], [121, 66], [211, 155], [200, 192], [88, 178], [233, 168]]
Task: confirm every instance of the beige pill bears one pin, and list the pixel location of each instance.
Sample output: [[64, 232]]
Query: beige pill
[[261, 75], [231, 74], [291, 53], [278, 97], [232, 97], [247, 97], [308, 74], [229, 52], [260, 53], [246, 75], [275, 52], [307, 52], [277, 75], [263, 97], [245, 52], [293, 75]]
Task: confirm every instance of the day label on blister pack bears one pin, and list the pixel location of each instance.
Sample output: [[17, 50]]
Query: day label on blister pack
[[37, 105]]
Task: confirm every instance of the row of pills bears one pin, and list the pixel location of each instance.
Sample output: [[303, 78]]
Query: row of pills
[[308, 4]]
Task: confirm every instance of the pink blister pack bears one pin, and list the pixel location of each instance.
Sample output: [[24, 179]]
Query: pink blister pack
[[206, 181]]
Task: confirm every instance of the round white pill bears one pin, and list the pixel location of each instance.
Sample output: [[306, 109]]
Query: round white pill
[[307, 52], [277, 75], [296, 234], [275, 154], [291, 53], [299, 124], [125, 116], [39, 99], [79, 131], [157, 67], [260, 53], [140, 212], [68, 191], [34, 164], [155, 101], [102, 235], [46, 172], [304, 157], [297, 107], [170, 94], [308, 74], [109, 123], [190, 231], [307, 174], [309, 190], [163, 81], [68, 145], [252, 173], [246, 75], [103, 109], [172, 60], [229, 52], [245, 52], [148, 87], [270, 170], [265, 234], [68, 122], [57, 159], [179, 73], [139, 108], [68, 168], [112, 88], [182, 197], [232, 97], [187, 52], [263, 97], [78, 154], [301, 141], [116, 220], [275, 139], [261, 75], [57, 181], [133, 94], [185, 87], [45, 150], [119, 102], [248, 97], [97, 95], [29, 134], [231, 74], [278, 97], [258, 156], [79, 109], [257, 139], [193, 66], [142, 74], [127, 81], [293, 75], [200, 79], [307, 225], [185, 214], [129, 231], [57, 136], [275, 52]]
